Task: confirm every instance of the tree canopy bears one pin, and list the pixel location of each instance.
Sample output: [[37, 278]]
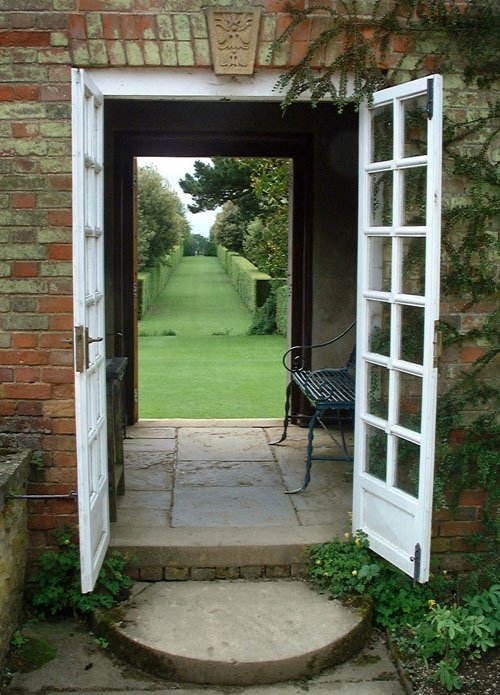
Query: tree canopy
[[253, 195], [162, 220]]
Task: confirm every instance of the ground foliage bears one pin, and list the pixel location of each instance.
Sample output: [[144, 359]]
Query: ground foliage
[[432, 625], [57, 576]]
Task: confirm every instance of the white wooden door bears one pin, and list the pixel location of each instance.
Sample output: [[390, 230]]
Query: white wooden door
[[398, 306], [89, 332]]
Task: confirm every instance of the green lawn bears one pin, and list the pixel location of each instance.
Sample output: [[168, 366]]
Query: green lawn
[[210, 368]]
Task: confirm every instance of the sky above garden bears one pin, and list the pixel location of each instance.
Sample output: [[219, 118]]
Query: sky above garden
[[172, 169]]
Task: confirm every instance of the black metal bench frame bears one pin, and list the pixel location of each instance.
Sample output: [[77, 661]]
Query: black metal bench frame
[[326, 390]]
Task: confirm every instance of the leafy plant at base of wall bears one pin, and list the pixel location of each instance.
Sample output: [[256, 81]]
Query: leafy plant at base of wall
[[343, 568], [58, 580], [424, 620], [451, 633]]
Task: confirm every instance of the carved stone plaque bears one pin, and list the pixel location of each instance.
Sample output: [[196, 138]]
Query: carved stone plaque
[[233, 34]]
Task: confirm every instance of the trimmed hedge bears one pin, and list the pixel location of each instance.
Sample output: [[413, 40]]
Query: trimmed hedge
[[150, 282], [282, 308], [252, 286]]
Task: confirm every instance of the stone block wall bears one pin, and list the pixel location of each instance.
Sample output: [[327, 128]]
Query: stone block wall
[[40, 40], [14, 469]]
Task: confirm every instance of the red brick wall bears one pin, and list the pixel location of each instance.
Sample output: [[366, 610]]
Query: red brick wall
[[39, 42]]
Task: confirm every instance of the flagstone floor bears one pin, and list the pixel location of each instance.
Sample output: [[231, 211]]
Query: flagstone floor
[[208, 474]]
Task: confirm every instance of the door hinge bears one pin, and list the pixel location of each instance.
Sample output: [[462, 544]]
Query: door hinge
[[437, 344], [134, 290], [136, 395], [429, 107], [416, 558]]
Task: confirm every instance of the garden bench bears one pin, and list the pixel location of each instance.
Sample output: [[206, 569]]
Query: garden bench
[[326, 390]]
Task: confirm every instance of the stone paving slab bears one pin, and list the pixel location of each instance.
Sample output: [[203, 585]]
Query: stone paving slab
[[223, 444], [138, 432], [227, 473], [81, 667], [149, 444], [232, 506]]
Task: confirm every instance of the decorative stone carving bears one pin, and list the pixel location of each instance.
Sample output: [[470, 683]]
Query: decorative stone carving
[[233, 34]]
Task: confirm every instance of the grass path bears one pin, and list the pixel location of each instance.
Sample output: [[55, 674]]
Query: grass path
[[210, 368]]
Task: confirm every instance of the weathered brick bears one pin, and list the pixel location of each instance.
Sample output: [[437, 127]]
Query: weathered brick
[[227, 572], [26, 391], [25, 38], [116, 53], [151, 574], [151, 53], [94, 25], [277, 571], [21, 322], [56, 268], [185, 55], [63, 425], [26, 269], [24, 357], [28, 374], [23, 200], [57, 375], [22, 251], [168, 53], [23, 304], [252, 572], [24, 340], [134, 54], [176, 574], [165, 28], [31, 286], [202, 574], [460, 528], [59, 409], [181, 27]]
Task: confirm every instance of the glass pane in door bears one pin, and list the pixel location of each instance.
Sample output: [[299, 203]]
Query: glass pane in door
[[407, 465], [413, 260], [415, 126]]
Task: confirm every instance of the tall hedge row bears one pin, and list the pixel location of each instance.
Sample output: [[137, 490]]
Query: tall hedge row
[[282, 308], [252, 286], [151, 281]]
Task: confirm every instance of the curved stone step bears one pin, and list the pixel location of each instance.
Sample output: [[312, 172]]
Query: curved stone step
[[233, 633]]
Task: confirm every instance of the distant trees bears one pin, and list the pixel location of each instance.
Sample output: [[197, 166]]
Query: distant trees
[[162, 222], [253, 194]]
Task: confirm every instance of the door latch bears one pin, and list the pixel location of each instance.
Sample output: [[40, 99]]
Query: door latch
[[82, 342]]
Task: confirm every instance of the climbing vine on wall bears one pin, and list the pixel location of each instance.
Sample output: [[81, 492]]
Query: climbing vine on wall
[[351, 58]]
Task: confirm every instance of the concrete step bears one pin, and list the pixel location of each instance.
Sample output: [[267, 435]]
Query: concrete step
[[233, 632], [176, 554]]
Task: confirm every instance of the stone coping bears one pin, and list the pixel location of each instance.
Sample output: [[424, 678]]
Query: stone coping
[[14, 465]]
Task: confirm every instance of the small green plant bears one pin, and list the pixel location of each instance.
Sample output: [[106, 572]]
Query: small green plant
[[18, 640], [343, 568], [58, 580], [264, 318], [149, 333], [37, 461], [449, 634], [102, 642]]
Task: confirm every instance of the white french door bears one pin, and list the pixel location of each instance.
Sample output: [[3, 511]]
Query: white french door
[[89, 331], [398, 306]]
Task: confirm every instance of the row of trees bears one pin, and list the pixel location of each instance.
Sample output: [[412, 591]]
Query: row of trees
[[162, 222], [252, 193]]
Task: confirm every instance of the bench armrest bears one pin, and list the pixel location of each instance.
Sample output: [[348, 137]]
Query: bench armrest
[[297, 361]]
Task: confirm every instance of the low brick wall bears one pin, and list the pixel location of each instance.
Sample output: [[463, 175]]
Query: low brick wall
[[14, 468]]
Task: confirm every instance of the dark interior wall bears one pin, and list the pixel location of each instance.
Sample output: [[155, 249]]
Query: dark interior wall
[[323, 146]]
